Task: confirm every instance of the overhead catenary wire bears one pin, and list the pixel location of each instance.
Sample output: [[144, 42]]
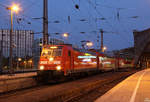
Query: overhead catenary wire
[[105, 20], [97, 30], [57, 29]]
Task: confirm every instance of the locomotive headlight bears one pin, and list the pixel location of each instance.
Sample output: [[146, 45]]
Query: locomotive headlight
[[51, 59], [41, 67], [122, 63], [58, 67]]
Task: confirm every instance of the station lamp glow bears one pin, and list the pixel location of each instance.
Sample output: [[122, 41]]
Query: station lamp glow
[[65, 35], [19, 59], [53, 47], [15, 8], [89, 44], [87, 54], [104, 48], [40, 44]]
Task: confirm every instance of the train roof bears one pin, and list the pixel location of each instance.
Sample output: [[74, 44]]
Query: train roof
[[84, 51], [78, 49]]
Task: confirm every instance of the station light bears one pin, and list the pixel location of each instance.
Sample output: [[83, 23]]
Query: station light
[[53, 47], [65, 35], [89, 44], [40, 44], [19, 59], [15, 8], [104, 48], [87, 54]]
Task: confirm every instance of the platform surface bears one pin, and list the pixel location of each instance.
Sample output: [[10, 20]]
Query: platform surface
[[19, 75], [136, 88]]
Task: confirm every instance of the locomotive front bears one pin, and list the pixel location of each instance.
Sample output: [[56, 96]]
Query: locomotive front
[[50, 60]]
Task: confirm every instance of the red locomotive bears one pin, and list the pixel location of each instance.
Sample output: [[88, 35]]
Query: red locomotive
[[65, 60]]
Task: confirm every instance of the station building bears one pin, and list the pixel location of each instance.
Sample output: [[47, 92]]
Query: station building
[[22, 42]]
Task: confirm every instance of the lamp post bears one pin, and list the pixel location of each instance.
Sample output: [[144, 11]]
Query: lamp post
[[13, 8]]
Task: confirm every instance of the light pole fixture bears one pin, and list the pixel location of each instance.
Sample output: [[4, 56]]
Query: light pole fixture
[[86, 43], [65, 35], [104, 48], [89, 44], [13, 8], [19, 59]]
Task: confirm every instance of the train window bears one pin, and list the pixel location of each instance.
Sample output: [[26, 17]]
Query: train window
[[57, 52]]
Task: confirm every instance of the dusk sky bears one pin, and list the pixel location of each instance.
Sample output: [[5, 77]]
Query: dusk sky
[[119, 30]]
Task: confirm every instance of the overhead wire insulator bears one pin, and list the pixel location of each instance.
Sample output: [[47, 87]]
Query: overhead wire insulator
[[56, 33], [82, 32], [29, 22], [69, 19], [76, 6], [56, 21], [83, 20], [134, 16]]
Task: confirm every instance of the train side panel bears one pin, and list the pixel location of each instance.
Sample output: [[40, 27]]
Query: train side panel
[[82, 62], [107, 63]]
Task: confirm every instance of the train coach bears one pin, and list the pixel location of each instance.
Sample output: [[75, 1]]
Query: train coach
[[64, 60]]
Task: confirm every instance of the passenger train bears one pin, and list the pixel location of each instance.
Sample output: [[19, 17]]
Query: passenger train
[[65, 60]]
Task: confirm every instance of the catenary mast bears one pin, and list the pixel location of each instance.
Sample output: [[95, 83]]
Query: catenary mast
[[45, 22]]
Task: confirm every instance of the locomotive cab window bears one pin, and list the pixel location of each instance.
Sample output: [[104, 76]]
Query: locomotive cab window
[[52, 51]]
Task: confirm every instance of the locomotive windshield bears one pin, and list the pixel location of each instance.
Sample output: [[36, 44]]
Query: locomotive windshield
[[52, 51]]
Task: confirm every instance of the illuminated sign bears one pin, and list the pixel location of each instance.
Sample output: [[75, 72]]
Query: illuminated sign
[[86, 56], [101, 58], [49, 62], [86, 60], [53, 47], [106, 62]]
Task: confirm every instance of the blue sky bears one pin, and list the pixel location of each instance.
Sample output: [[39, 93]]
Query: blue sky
[[59, 10]]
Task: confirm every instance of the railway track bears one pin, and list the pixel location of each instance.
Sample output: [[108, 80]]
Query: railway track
[[97, 91], [66, 92]]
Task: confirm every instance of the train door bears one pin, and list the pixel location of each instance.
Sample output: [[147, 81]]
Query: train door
[[117, 63], [71, 60]]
